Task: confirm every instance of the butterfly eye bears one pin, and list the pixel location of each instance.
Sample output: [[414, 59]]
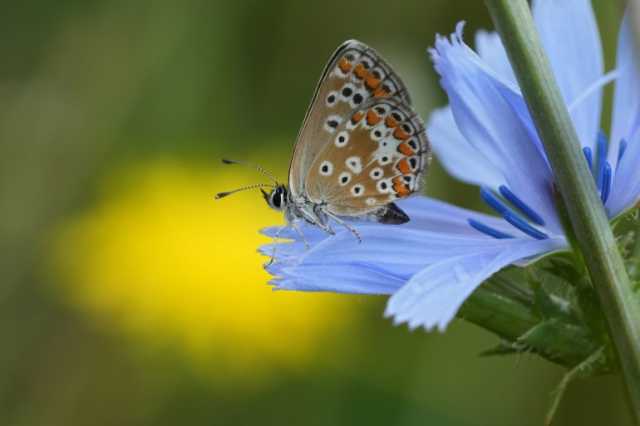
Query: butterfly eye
[[276, 201], [326, 168], [342, 139], [277, 198]]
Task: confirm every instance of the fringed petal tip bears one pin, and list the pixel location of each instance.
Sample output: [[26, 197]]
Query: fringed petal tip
[[274, 268], [282, 279], [265, 249], [282, 251], [282, 284], [413, 325], [275, 283], [282, 231], [443, 42]]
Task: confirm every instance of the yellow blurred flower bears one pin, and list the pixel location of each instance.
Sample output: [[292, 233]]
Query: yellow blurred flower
[[160, 258]]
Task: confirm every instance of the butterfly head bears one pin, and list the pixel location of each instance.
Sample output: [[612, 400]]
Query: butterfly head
[[277, 198]]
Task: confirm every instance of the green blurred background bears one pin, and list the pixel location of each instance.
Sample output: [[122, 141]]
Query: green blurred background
[[130, 297]]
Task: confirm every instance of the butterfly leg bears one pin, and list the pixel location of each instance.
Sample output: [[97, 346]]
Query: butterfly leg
[[316, 218], [296, 228], [346, 225]]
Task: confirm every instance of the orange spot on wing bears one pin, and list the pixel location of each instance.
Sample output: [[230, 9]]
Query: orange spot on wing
[[355, 118], [380, 92], [404, 167], [360, 71], [345, 65], [371, 82], [400, 134], [391, 122], [373, 118], [401, 189], [405, 149]]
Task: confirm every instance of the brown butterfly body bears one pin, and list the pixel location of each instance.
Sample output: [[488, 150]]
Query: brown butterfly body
[[360, 148]]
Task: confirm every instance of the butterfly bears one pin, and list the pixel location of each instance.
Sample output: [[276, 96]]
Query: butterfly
[[361, 147]]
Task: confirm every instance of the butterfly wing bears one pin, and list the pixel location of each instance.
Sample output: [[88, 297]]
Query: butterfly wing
[[354, 75], [377, 155]]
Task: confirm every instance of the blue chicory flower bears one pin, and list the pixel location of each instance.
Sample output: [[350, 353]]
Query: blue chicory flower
[[485, 137]]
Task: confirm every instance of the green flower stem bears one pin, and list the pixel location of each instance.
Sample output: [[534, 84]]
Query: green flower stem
[[574, 181]]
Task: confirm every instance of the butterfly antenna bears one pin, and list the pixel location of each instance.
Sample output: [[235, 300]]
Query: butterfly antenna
[[244, 188], [252, 166]]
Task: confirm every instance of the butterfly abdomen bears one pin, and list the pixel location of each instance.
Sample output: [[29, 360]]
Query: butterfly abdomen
[[392, 214]]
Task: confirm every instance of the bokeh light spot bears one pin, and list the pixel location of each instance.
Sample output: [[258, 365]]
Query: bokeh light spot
[[157, 257]]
